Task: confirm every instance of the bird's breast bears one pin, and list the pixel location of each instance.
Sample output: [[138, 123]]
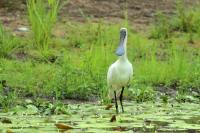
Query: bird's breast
[[122, 78], [119, 74]]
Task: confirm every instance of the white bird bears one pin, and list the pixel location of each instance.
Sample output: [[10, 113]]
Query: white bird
[[120, 72]]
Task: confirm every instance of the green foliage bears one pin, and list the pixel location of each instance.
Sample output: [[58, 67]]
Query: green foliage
[[7, 42], [186, 97], [42, 17], [86, 35], [142, 93], [185, 20], [161, 29], [80, 72], [180, 67], [76, 82], [7, 101], [28, 78]]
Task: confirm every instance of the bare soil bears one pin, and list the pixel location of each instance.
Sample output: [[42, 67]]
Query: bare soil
[[140, 12]]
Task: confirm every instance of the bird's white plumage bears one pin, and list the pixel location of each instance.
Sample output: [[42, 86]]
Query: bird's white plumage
[[119, 73]]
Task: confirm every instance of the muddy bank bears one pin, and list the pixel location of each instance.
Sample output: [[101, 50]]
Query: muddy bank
[[139, 11]]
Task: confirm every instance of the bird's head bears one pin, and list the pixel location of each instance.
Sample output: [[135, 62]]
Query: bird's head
[[123, 36]]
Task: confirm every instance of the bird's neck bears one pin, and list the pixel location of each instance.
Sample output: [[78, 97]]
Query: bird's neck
[[124, 57]]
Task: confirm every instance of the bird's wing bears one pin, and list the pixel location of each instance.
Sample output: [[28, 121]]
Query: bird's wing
[[131, 74], [111, 75]]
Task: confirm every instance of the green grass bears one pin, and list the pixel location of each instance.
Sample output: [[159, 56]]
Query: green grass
[[42, 16], [81, 72], [7, 42], [185, 20]]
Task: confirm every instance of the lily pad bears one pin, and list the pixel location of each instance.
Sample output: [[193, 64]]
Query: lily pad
[[138, 117]]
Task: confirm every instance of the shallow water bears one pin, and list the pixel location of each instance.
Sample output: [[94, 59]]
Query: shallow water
[[138, 117]]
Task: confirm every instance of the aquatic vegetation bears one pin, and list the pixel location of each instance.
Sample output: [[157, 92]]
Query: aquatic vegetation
[[94, 118]]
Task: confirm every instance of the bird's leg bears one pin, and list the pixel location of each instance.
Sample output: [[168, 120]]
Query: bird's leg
[[116, 102], [120, 98]]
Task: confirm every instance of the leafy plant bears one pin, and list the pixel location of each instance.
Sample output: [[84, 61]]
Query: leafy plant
[[7, 101], [42, 16], [185, 18], [143, 93], [7, 42], [161, 29]]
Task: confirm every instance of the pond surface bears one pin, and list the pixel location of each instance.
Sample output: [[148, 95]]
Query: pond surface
[[90, 117]]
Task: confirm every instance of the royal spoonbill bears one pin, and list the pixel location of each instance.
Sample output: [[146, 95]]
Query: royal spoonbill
[[120, 72]]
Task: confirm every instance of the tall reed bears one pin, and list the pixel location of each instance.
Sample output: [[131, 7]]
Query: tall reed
[[42, 16]]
